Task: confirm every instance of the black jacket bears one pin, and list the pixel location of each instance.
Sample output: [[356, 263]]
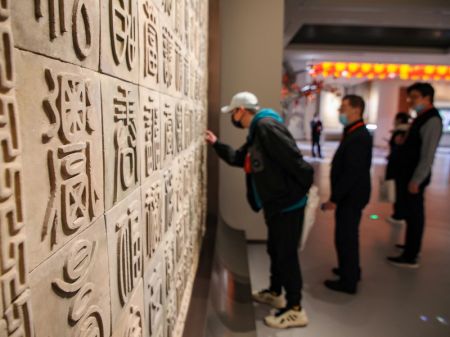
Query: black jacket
[[280, 175], [391, 168], [408, 155], [350, 168]]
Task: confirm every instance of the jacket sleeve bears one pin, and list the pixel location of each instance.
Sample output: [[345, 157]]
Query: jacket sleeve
[[231, 156], [354, 165], [431, 134], [281, 148]]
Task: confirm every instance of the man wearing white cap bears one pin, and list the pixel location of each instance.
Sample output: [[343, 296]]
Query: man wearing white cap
[[277, 180]]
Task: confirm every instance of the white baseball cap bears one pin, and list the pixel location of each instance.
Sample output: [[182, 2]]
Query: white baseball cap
[[242, 99]]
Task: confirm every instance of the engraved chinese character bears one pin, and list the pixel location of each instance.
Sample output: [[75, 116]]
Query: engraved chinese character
[[125, 140], [151, 49], [167, 58], [81, 23], [153, 217], [74, 200], [156, 302], [85, 315], [169, 200], [152, 136], [178, 68], [168, 130], [129, 256], [179, 127], [134, 328], [123, 25], [167, 6]]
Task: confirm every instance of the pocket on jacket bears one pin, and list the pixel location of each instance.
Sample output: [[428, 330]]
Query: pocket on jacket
[[256, 158]]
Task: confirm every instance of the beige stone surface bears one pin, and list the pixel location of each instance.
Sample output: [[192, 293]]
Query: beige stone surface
[[102, 192], [152, 200], [167, 58], [150, 40], [121, 118], [119, 53], [154, 296], [151, 132], [68, 30], [168, 129], [70, 291], [125, 249], [62, 149], [16, 317], [131, 322]]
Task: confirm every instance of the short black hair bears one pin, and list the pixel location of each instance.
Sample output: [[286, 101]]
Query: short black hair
[[356, 102], [403, 117], [425, 89]]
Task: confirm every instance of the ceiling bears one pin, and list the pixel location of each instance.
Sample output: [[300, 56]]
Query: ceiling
[[391, 31]]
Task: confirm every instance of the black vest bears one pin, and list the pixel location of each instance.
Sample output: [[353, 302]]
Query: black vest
[[409, 152]]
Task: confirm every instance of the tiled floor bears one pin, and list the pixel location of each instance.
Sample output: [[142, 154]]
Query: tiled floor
[[391, 302]]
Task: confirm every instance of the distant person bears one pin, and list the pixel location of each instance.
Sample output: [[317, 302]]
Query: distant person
[[350, 192], [401, 127], [277, 182], [316, 131], [415, 159]]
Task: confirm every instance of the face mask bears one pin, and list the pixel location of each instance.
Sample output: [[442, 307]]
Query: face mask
[[237, 124], [343, 119], [419, 108]]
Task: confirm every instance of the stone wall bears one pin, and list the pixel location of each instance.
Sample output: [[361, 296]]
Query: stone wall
[[102, 165]]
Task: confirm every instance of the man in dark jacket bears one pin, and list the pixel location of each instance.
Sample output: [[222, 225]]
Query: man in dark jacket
[[350, 192], [278, 180], [316, 131], [415, 159]]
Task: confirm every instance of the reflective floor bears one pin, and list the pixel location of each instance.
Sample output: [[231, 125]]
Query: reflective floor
[[391, 302]]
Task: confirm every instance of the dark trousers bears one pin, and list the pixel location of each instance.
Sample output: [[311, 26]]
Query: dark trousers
[[400, 202], [284, 232], [415, 218], [348, 218], [315, 142]]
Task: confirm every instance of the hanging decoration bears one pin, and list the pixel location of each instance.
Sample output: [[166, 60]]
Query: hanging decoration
[[381, 71]]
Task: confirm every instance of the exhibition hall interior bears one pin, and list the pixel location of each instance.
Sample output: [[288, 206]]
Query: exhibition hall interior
[[224, 168]]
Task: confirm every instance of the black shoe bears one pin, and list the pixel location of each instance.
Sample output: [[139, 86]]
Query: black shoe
[[337, 272], [401, 261], [340, 286]]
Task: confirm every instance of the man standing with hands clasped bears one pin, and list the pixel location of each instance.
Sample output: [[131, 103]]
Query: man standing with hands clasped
[[414, 159], [278, 180], [350, 192]]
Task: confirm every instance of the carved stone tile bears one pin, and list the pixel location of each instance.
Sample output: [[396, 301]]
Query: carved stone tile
[[131, 322], [169, 200], [64, 29], [170, 284], [70, 291], [168, 128], [120, 43], [151, 135], [121, 138], [16, 318], [150, 40], [168, 60], [152, 199], [125, 248], [155, 298], [179, 127], [62, 139]]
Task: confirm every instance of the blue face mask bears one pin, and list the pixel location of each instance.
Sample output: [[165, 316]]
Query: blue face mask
[[419, 108], [343, 119]]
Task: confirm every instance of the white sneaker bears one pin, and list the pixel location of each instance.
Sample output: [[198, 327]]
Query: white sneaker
[[287, 318], [395, 222], [265, 296]]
